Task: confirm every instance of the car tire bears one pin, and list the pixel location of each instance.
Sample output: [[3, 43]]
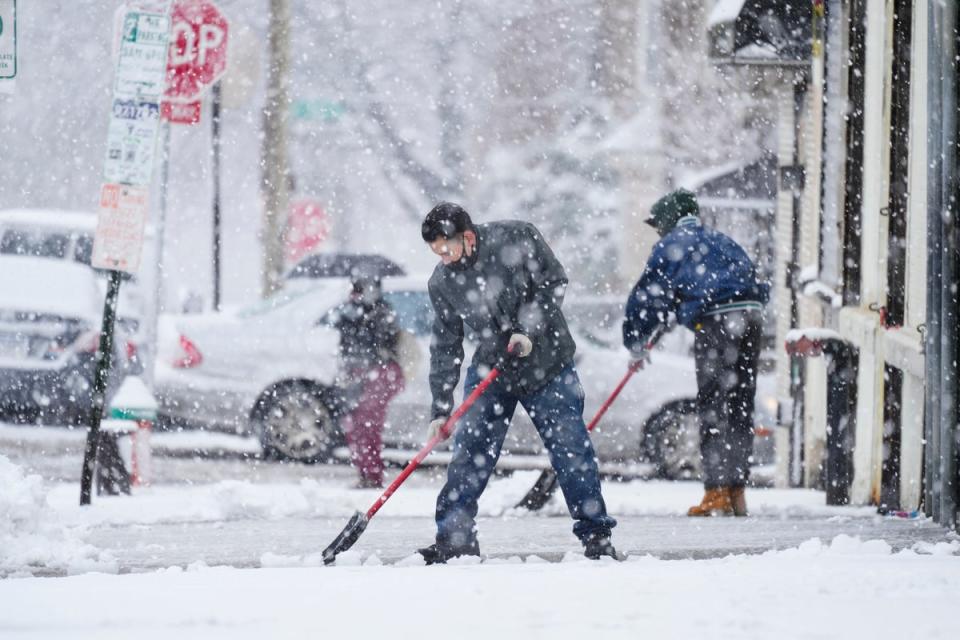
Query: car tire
[[297, 420], [671, 441]]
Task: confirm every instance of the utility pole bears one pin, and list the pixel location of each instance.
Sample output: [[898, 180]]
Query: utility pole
[[274, 183]]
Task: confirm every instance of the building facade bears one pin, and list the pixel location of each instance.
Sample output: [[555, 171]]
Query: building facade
[[866, 242]]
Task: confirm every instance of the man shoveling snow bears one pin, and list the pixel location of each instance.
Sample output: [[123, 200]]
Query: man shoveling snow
[[503, 282]]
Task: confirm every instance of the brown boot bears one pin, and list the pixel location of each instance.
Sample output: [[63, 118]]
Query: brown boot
[[738, 501], [716, 502]]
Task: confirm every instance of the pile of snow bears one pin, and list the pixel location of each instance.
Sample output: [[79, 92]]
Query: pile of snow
[[235, 500], [31, 537]]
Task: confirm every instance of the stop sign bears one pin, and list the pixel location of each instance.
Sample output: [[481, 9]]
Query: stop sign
[[198, 49]]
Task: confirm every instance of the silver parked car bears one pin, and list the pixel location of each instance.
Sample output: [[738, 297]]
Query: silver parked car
[[270, 370]]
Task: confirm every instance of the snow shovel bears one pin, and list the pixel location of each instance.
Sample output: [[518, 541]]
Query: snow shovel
[[358, 523], [546, 485]]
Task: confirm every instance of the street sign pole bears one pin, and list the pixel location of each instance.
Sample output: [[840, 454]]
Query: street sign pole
[[153, 316], [197, 60], [139, 78], [215, 119], [104, 357]]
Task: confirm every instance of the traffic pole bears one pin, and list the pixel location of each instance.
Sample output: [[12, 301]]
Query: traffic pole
[[104, 359], [215, 120], [156, 305]]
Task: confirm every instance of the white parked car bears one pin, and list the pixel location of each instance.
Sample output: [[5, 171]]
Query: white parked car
[[270, 371], [50, 318], [58, 234]]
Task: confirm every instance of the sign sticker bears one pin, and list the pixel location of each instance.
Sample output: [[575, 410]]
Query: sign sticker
[[131, 139]]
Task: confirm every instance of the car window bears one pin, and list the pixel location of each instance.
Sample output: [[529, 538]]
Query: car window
[[413, 309], [83, 251], [25, 242], [278, 300], [329, 319], [595, 320]]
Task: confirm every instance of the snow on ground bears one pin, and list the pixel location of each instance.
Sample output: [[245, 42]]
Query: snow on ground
[[219, 548], [845, 588]]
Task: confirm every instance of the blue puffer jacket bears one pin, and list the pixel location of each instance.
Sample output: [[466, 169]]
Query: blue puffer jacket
[[693, 272]]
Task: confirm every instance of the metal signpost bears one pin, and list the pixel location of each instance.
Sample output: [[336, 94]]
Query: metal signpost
[[198, 59], [124, 198], [8, 41]]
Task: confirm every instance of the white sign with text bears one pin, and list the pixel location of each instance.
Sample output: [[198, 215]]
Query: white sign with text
[[142, 58]]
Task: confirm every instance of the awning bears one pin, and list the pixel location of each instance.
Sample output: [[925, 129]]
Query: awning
[[774, 32]]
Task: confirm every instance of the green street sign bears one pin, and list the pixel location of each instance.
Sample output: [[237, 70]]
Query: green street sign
[[8, 39], [326, 110]]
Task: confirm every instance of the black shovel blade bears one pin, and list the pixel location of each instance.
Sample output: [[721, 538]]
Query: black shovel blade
[[350, 534], [540, 492]]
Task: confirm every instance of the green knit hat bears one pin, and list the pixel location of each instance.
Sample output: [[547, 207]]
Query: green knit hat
[[670, 208]]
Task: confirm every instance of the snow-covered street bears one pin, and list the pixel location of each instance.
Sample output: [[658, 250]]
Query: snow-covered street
[[849, 589], [226, 547]]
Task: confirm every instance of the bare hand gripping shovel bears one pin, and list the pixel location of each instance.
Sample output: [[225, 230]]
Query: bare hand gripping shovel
[[546, 485], [358, 523]]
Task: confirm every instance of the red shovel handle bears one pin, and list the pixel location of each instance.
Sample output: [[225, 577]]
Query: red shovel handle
[[442, 435], [632, 369]]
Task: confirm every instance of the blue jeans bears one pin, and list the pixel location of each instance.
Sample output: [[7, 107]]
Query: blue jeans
[[556, 410]]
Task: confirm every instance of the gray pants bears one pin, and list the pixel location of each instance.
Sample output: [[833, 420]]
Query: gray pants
[[726, 349]]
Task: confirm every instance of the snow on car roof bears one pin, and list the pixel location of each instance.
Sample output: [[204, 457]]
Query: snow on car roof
[[324, 293], [42, 285], [54, 218], [412, 282]]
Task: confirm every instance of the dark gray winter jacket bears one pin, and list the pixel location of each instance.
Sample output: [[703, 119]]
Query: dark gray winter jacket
[[511, 284]]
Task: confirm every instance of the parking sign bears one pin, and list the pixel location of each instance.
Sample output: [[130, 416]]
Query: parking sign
[[142, 58], [118, 242]]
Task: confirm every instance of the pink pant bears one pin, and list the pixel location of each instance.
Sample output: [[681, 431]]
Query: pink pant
[[363, 427]]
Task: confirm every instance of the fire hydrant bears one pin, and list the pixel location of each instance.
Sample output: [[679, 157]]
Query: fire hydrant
[[134, 403]]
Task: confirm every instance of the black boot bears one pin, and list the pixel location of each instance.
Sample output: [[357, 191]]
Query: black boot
[[439, 554], [596, 547]]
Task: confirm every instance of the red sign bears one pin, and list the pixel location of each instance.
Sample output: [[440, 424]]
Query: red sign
[[180, 112], [198, 49], [307, 227]]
